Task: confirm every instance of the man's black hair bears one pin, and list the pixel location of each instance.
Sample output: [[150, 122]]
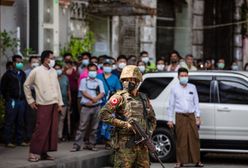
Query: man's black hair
[[59, 65], [14, 57], [160, 59], [32, 57], [143, 52], [189, 55], [131, 56], [45, 54], [182, 70], [91, 65], [121, 57], [9, 65], [93, 57], [175, 52], [86, 53], [67, 54]]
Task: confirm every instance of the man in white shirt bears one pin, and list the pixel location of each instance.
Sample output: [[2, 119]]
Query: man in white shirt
[[47, 102], [184, 102], [92, 91]]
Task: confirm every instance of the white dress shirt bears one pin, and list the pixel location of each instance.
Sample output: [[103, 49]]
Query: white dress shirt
[[183, 100], [90, 85]]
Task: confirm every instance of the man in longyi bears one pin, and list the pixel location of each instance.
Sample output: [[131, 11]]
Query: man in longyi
[[48, 103], [184, 102]]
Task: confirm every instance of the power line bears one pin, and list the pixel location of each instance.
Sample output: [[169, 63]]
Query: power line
[[204, 27]]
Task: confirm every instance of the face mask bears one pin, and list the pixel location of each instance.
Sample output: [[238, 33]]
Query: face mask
[[92, 74], [142, 68], [100, 66], [85, 62], [59, 72], [129, 86], [34, 65], [184, 80], [235, 67], [107, 69], [19, 66], [122, 65], [160, 67], [221, 65], [51, 64], [145, 59], [114, 66]]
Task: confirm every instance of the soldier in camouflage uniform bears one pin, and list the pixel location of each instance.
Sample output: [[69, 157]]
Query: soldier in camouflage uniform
[[122, 107]]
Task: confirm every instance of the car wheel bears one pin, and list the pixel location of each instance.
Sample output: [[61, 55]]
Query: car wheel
[[164, 142]]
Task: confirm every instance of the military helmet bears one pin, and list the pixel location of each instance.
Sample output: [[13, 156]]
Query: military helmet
[[131, 71]]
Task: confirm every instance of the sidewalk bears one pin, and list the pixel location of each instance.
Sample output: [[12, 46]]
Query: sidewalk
[[17, 158]]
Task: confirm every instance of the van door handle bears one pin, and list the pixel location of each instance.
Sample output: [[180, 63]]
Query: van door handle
[[225, 109]]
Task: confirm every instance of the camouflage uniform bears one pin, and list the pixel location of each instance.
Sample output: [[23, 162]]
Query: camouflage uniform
[[121, 108]]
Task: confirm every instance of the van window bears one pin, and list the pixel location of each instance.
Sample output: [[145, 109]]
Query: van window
[[154, 86], [203, 89], [233, 92]]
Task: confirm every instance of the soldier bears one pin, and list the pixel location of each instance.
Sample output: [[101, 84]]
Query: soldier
[[125, 105]]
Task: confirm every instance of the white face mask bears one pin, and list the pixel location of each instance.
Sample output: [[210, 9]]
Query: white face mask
[[122, 65], [51, 64], [142, 68], [34, 65], [145, 59], [160, 67]]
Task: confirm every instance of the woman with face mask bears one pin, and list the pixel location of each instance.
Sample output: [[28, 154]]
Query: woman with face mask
[[160, 65], [142, 67]]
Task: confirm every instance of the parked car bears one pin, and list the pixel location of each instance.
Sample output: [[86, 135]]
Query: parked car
[[223, 97]]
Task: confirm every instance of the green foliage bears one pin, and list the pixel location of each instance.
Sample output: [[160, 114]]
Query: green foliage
[[7, 41], [77, 46], [27, 52]]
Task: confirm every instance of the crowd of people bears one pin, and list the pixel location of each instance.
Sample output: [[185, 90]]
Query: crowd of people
[[77, 89]]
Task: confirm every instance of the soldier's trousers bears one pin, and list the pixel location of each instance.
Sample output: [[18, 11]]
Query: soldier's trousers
[[135, 157]]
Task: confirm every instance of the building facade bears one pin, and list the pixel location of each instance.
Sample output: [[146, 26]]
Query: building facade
[[205, 28]]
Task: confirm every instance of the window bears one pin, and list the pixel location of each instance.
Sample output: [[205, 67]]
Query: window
[[203, 89], [233, 92], [154, 86], [165, 18]]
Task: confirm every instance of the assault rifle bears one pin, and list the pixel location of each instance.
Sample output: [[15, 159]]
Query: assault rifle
[[145, 139]]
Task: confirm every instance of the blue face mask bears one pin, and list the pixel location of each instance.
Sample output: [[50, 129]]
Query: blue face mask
[[183, 80], [85, 62], [107, 69], [92, 74], [59, 72]]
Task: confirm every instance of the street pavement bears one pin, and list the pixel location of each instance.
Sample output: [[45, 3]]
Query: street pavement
[[217, 160], [17, 158]]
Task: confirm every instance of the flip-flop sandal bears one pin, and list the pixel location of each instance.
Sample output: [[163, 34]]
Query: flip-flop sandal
[[33, 159], [178, 165], [199, 164]]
